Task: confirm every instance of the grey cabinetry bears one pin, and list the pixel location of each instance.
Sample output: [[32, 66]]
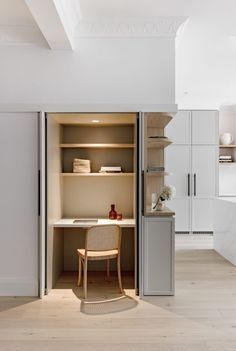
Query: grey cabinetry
[[158, 247], [193, 161]]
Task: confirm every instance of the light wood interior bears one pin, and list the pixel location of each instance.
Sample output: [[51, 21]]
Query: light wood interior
[[54, 202], [109, 142], [87, 118], [155, 141]]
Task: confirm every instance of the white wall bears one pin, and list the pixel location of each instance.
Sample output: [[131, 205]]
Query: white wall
[[111, 70], [205, 63]]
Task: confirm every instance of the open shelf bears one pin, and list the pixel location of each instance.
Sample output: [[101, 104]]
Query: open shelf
[[158, 174], [227, 146], [159, 143], [97, 174], [98, 146], [227, 163], [165, 212], [158, 119]]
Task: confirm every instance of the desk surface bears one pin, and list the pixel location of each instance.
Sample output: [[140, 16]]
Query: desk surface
[[68, 223]]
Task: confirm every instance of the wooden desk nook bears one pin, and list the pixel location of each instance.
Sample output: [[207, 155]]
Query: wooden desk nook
[[85, 223]]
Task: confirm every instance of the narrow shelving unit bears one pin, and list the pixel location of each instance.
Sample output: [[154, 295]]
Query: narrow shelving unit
[[158, 174], [155, 142], [159, 143]]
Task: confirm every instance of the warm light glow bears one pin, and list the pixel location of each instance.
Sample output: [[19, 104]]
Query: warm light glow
[[95, 121]]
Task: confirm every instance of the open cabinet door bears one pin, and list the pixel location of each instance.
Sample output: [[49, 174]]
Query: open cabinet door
[[140, 189], [42, 204]]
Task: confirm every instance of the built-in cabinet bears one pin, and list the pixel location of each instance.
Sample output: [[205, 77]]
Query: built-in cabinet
[[106, 140], [193, 160], [158, 226], [158, 248]]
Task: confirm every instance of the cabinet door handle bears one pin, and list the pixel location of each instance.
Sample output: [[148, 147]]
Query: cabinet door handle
[[195, 184], [188, 184], [39, 193], [142, 193]]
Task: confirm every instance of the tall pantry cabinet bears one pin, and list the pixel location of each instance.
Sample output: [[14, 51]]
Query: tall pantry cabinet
[[193, 160]]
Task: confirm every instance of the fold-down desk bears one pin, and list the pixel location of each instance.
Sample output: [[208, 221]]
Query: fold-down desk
[[69, 222]]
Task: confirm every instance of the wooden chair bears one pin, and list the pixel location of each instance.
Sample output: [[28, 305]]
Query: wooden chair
[[101, 243]]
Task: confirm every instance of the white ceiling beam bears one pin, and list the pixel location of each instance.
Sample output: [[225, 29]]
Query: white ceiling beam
[[53, 19]]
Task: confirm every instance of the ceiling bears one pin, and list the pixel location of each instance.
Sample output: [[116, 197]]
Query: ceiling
[[15, 12], [211, 13]]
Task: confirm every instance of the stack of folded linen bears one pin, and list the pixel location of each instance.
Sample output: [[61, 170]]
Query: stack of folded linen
[[81, 166]]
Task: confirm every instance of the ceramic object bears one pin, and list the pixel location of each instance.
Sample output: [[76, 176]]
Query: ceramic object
[[226, 139], [154, 198], [160, 206]]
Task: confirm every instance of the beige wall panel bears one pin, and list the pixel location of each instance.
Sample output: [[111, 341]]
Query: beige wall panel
[[104, 134], [99, 157], [92, 197]]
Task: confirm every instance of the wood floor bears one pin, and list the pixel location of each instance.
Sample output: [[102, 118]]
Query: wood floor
[[201, 317]]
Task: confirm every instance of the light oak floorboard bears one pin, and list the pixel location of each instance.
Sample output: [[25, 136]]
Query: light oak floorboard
[[200, 317]]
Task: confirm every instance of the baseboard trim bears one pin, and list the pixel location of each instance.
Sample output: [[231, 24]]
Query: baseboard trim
[[18, 287]]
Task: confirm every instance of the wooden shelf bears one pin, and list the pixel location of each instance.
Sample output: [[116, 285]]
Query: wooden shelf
[[97, 174], [227, 146], [159, 143], [158, 119], [98, 146], [166, 212], [157, 174]]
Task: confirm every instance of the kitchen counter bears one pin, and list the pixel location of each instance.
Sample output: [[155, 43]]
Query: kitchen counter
[[225, 227]]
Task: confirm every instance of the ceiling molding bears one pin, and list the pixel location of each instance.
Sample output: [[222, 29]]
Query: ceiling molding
[[20, 35], [150, 27]]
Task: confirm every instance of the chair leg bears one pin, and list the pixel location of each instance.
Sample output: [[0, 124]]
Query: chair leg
[[108, 269], [80, 271], [119, 273], [85, 277]]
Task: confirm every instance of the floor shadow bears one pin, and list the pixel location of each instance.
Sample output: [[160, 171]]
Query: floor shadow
[[8, 303], [118, 304]]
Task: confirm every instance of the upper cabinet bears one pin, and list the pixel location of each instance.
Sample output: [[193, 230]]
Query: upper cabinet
[[194, 127], [179, 130], [204, 127]]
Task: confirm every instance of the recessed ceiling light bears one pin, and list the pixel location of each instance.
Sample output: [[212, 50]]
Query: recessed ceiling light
[[95, 121]]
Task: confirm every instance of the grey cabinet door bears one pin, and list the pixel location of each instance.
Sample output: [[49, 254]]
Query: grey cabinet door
[[158, 256], [179, 129], [205, 127], [19, 204]]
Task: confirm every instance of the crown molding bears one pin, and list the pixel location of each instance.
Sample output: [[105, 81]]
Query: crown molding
[[11, 35], [147, 27]]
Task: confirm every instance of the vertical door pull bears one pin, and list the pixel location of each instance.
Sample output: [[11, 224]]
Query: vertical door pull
[[195, 186], [142, 193], [39, 194], [188, 184]]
